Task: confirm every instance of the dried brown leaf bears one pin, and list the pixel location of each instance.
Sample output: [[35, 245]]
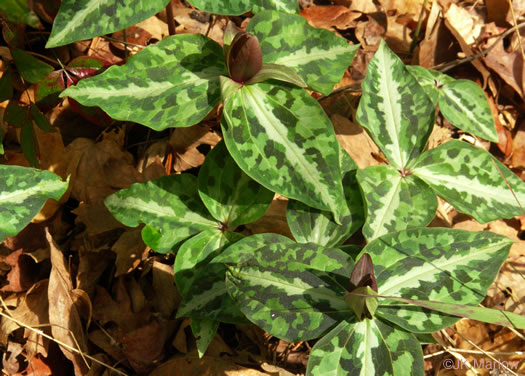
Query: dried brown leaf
[[184, 142], [64, 317], [143, 347], [166, 295], [330, 16], [23, 272], [518, 157], [130, 250], [206, 366], [357, 143]]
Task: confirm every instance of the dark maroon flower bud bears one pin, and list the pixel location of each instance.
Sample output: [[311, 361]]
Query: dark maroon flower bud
[[363, 274], [244, 57]]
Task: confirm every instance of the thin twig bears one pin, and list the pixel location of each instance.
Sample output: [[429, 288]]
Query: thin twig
[[485, 353], [171, 19], [70, 348], [516, 29], [447, 66]]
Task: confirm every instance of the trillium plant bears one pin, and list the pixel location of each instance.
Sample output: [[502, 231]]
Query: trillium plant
[[370, 306]]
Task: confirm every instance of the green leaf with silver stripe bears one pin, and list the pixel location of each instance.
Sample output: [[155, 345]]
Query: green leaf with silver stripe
[[472, 181], [430, 80], [291, 290], [394, 108], [292, 305], [169, 206], [200, 283], [23, 192], [369, 347], [394, 202], [308, 224], [318, 56], [174, 83], [280, 137], [230, 195], [84, 19], [447, 265], [464, 104], [461, 102], [238, 7]]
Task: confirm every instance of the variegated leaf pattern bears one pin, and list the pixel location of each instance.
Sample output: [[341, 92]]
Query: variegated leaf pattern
[[277, 251], [85, 19], [461, 102], [471, 180], [284, 287], [169, 206], [308, 224], [394, 108], [430, 80], [317, 55], [394, 202], [23, 192], [238, 7], [203, 331], [293, 305], [200, 283], [174, 83], [486, 315], [448, 265], [281, 138], [464, 104], [230, 195], [369, 347]]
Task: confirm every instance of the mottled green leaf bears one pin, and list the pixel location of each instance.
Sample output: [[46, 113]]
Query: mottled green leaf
[[230, 195], [277, 251], [203, 331], [369, 347], [85, 19], [18, 12], [317, 55], [464, 104], [174, 83], [447, 265], [486, 315], [284, 287], [23, 192], [281, 138], [471, 180], [308, 224], [430, 80], [238, 7], [201, 285], [169, 206], [292, 305], [394, 108], [30, 68], [394, 202]]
